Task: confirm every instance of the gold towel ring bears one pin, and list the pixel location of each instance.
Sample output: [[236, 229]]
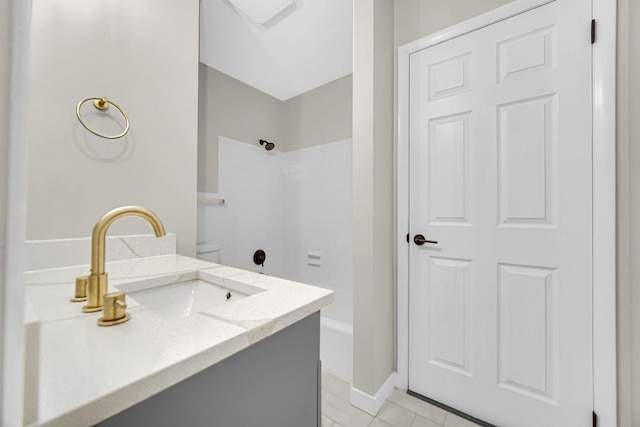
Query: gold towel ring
[[102, 104]]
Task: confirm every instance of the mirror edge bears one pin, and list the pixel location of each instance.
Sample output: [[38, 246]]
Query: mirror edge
[[14, 221]]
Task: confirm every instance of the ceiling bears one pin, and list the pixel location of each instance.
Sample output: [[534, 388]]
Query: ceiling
[[280, 47]]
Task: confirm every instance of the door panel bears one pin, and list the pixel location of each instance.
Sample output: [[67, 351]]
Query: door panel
[[448, 291], [500, 177], [526, 159], [448, 152], [527, 325]]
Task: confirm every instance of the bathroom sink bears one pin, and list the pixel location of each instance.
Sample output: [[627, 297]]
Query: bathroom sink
[[184, 294]]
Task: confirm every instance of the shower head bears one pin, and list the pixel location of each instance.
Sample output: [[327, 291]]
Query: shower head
[[267, 145]]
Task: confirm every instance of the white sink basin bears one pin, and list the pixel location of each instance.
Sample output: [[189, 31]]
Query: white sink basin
[[182, 295]]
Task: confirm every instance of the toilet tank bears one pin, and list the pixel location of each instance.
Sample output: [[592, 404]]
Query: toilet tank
[[208, 252]]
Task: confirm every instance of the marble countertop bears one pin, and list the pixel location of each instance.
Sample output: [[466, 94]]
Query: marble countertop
[[84, 374]]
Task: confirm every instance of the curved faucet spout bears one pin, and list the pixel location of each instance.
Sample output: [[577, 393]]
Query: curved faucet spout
[[99, 235], [96, 282]]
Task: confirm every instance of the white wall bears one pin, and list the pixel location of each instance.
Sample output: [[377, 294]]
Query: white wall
[[142, 54]]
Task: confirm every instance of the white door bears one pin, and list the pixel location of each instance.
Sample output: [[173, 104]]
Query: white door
[[500, 176]]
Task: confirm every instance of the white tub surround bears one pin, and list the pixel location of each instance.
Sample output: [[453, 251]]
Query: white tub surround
[[336, 336], [87, 374], [297, 207]]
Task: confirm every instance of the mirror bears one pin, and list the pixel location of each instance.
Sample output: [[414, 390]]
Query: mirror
[[79, 50]]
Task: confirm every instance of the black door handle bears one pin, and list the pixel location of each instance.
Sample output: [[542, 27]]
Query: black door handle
[[420, 240]]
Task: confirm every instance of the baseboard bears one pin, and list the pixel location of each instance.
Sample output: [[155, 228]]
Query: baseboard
[[372, 404]]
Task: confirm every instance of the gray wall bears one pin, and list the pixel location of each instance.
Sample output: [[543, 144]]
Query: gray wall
[[230, 108], [5, 31], [319, 116], [374, 326], [628, 128], [148, 64], [417, 18]]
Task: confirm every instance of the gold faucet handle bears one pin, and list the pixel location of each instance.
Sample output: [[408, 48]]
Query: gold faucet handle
[[114, 310], [80, 293]]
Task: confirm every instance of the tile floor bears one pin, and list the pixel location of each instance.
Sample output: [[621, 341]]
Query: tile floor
[[400, 410]]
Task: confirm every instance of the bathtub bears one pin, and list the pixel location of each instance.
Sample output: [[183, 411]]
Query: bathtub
[[336, 336]]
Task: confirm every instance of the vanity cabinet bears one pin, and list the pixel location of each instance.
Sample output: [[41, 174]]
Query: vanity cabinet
[[272, 383]]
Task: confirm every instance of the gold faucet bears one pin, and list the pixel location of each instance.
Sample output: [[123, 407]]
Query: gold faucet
[[96, 282]]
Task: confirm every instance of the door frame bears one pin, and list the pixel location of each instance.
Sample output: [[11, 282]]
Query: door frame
[[604, 193]]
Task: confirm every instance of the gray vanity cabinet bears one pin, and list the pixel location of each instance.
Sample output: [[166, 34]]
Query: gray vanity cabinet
[[273, 383]]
